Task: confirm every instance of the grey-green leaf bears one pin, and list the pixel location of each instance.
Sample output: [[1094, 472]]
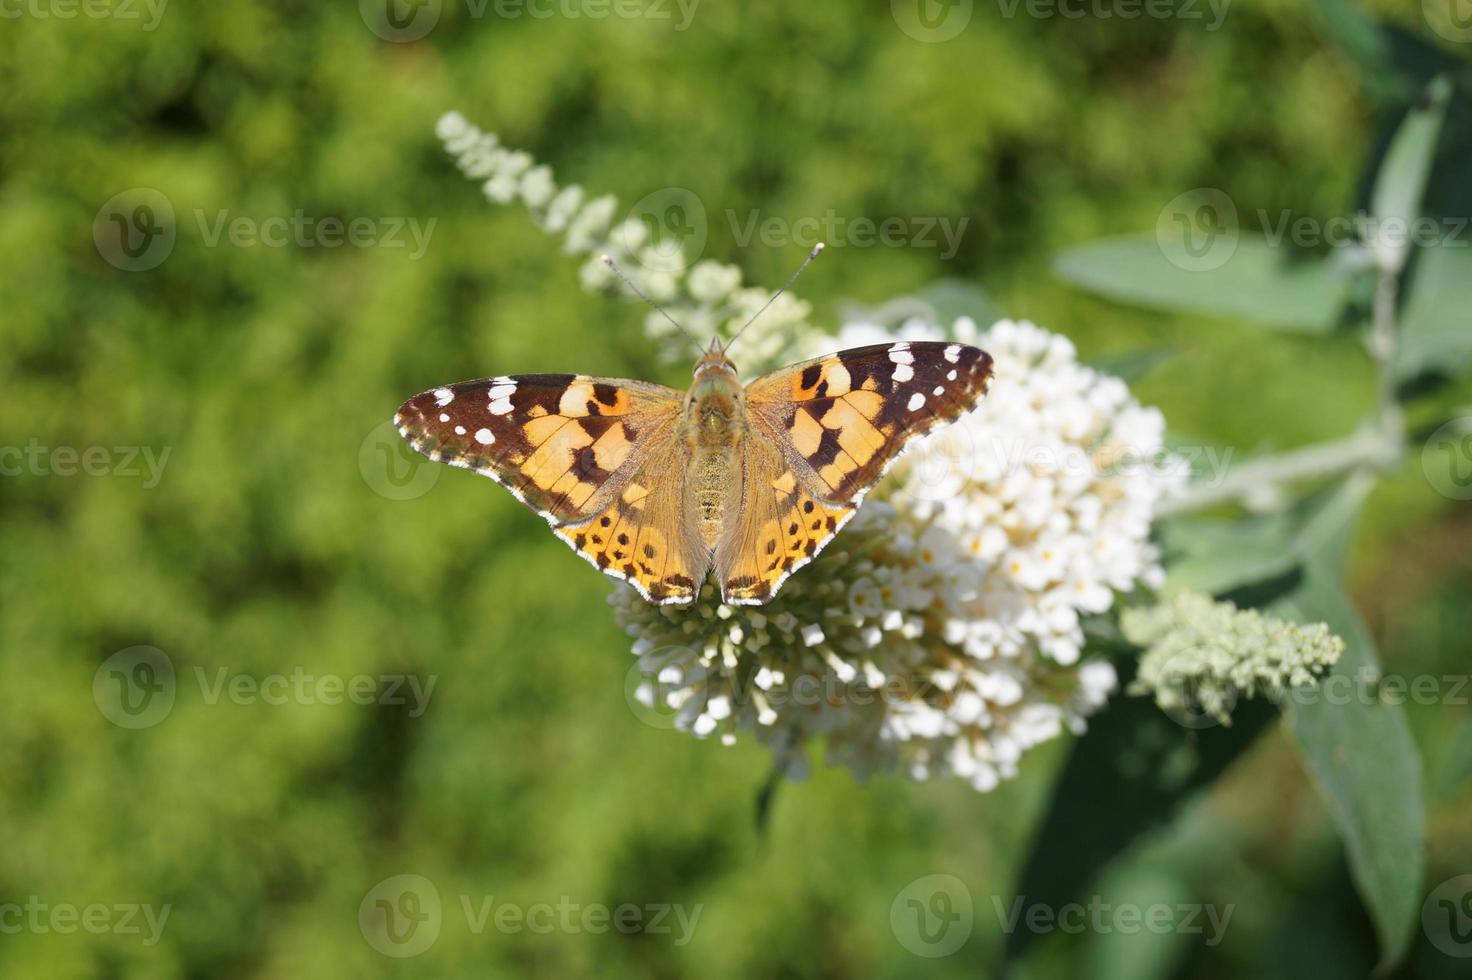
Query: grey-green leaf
[[1232, 275], [1401, 180], [1436, 324], [1360, 753]]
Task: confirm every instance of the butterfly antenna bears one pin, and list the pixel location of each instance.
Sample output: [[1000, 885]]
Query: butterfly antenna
[[630, 283], [800, 269]]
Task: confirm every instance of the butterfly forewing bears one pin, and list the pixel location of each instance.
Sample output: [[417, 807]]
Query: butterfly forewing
[[564, 444], [844, 418]]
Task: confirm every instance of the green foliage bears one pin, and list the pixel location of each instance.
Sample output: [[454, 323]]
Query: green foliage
[[269, 547]]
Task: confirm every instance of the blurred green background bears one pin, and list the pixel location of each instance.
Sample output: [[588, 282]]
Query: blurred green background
[[271, 542]]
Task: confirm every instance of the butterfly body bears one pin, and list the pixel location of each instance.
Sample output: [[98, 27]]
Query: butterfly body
[[662, 488]]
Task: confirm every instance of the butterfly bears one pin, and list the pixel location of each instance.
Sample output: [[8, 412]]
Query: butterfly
[[662, 488]]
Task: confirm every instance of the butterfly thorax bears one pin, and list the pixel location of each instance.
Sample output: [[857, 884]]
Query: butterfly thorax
[[714, 424]]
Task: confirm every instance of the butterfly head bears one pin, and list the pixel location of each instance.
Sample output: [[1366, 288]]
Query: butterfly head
[[715, 363]]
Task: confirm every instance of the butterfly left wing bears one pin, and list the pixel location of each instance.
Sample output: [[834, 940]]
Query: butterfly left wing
[[822, 433], [563, 444], [844, 418]]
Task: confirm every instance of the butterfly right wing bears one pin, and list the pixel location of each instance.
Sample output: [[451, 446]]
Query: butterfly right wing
[[846, 417], [780, 528]]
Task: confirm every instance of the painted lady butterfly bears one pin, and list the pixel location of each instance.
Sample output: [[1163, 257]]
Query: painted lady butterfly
[[660, 487]]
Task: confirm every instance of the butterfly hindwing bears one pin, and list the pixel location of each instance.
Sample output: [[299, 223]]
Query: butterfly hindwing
[[563, 444], [844, 418], [779, 527], [644, 536]]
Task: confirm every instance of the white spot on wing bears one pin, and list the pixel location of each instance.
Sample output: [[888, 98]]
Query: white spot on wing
[[483, 436], [900, 354], [459, 430], [443, 396], [903, 372], [444, 416], [500, 391], [501, 407], [951, 375], [916, 400], [953, 353]]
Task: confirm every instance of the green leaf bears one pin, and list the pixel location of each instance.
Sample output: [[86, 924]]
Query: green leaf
[[941, 302], [1131, 366], [1232, 275], [1352, 29], [1144, 767], [952, 298], [1145, 954], [1400, 183], [1217, 556], [1436, 323], [1361, 755]]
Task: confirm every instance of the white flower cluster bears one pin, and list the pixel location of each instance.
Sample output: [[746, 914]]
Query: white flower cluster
[[706, 297], [941, 633]]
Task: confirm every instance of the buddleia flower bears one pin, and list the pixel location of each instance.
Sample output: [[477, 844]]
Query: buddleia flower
[[940, 633]]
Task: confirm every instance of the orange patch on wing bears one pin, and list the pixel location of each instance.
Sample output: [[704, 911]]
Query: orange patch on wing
[[805, 433]]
